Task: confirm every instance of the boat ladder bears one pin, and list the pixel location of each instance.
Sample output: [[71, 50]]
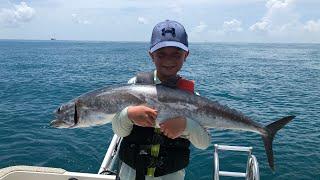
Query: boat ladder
[[252, 171]]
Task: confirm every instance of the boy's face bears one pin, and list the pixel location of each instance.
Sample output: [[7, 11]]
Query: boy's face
[[168, 61]]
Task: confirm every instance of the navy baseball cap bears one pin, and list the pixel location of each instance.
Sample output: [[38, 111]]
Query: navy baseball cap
[[168, 33]]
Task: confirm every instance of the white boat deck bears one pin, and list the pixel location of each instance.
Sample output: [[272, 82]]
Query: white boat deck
[[47, 173], [109, 167]]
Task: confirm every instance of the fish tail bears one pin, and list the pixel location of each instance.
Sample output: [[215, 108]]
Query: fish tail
[[271, 131]]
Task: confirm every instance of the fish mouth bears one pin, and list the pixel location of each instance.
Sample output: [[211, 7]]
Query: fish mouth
[[60, 123], [57, 123]]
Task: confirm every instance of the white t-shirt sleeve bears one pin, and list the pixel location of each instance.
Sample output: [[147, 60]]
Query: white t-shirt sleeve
[[121, 124]]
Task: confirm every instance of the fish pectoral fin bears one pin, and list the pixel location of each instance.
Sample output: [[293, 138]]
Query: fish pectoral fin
[[101, 118]]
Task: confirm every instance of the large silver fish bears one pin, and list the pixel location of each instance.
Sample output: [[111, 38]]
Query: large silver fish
[[99, 107]]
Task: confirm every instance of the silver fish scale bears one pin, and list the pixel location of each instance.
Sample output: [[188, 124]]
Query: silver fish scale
[[173, 102]]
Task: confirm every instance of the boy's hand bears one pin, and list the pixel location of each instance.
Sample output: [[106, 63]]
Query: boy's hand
[[173, 128], [142, 115]]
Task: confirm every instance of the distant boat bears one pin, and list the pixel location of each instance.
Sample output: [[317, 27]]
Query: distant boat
[[52, 39]]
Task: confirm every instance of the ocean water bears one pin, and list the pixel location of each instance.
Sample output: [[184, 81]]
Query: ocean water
[[264, 81]]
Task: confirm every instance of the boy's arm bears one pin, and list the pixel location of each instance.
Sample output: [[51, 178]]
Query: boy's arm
[[121, 124], [186, 128], [196, 134]]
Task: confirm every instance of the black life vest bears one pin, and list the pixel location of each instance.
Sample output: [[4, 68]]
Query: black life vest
[[135, 149]]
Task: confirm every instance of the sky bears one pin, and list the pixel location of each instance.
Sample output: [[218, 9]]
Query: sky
[[283, 21]]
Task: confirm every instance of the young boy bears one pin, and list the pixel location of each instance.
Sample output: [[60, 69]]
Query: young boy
[[162, 153]]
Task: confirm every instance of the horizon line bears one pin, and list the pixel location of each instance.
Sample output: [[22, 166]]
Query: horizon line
[[195, 42]]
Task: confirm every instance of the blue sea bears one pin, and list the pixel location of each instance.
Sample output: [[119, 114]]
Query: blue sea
[[264, 81]]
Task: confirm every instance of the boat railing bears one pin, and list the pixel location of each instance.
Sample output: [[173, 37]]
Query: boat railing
[[109, 162], [252, 170]]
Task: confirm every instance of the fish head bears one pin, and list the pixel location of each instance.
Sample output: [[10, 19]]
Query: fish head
[[66, 116], [80, 114]]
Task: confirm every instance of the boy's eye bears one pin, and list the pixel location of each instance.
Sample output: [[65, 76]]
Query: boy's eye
[[176, 56]]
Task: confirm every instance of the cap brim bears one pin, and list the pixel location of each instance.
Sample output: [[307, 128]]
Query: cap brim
[[168, 43]]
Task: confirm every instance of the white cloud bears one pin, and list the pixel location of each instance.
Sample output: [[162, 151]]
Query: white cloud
[[77, 19], [258, 21], [142, 20], [232, 26], [278, 4], [279, 17], [281, 22], [20, 13], [312, 26], [259, 26], [200, 28], [225, 32]]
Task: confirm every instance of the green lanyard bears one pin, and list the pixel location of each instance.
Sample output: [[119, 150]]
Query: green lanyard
[[154, 152], [156, 147]]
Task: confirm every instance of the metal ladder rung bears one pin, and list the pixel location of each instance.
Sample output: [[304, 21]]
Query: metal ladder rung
[[234, 148], [252, 164], [232, 174]]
